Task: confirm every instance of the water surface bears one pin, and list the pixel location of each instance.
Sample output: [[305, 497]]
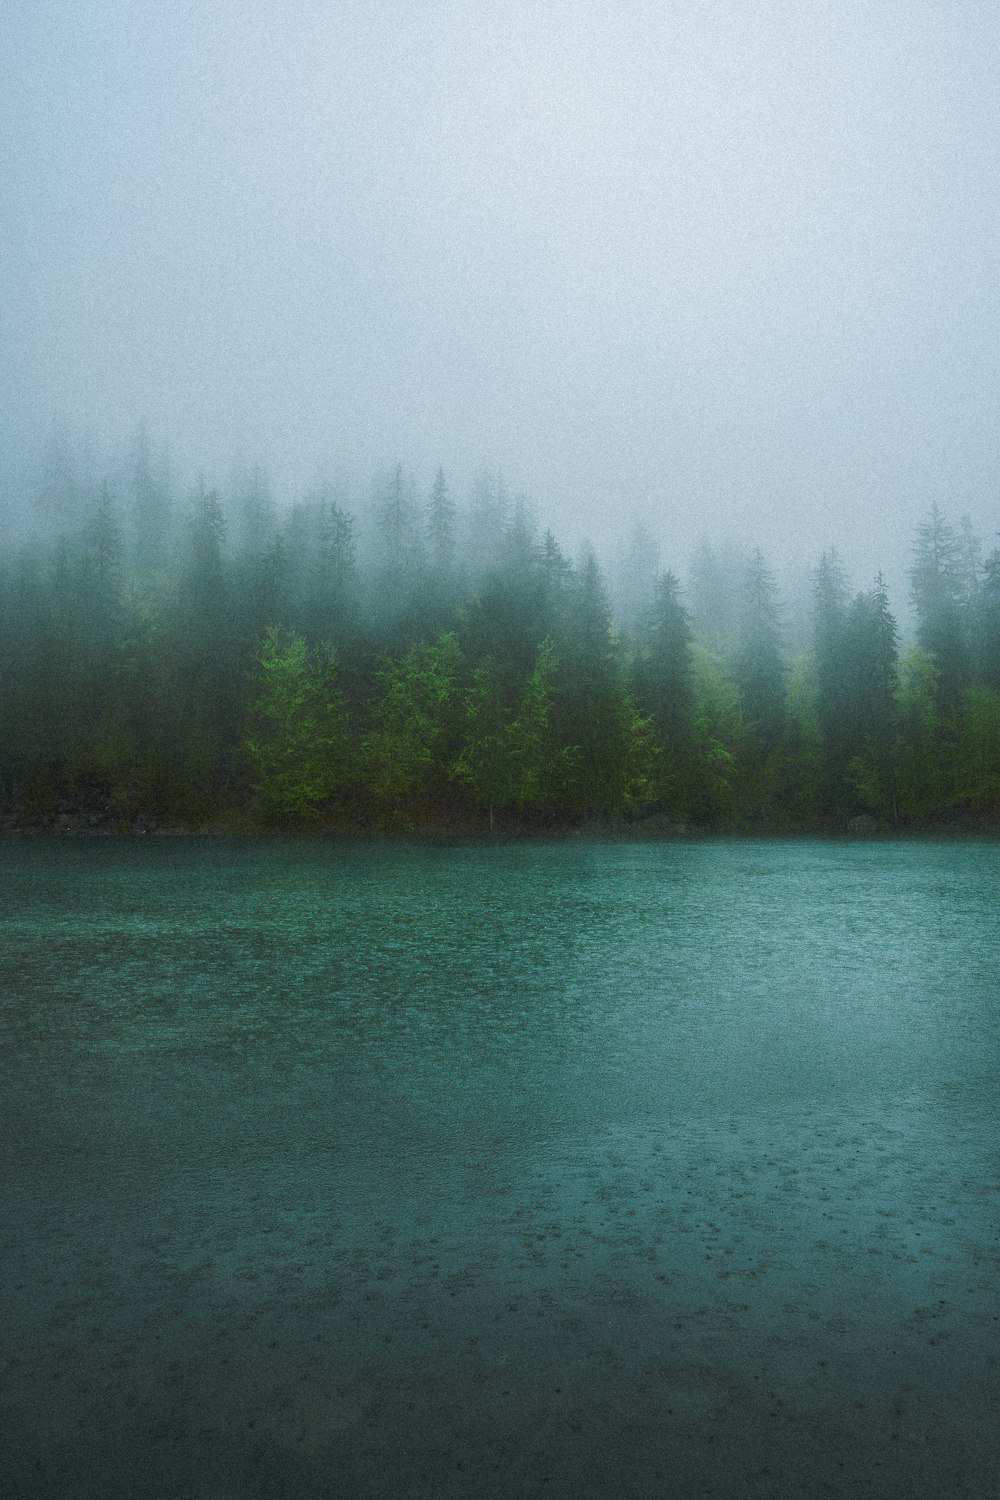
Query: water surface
[[568, 1169]]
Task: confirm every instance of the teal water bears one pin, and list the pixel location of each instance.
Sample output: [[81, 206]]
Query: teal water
[[577, 1169]]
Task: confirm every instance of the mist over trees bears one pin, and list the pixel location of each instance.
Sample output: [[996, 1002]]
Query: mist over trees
[[421, 659]]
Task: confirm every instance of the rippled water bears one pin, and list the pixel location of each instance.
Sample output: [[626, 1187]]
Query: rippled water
[[572, 1169]]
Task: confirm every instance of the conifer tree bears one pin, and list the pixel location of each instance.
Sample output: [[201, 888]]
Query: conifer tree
[[441, 523], [297, 745], [487, 521], [715, 582], [936, 579], [923, 752], [987, 618], [833, 665], [412, 743], [636, 577], [256, 512], [664, 684], [335, 573], [759, 666], [397, 545], [151, 503], [608, 742], [872, 709]]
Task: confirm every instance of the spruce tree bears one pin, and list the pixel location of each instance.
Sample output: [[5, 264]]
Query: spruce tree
[[759, 666], [832, 659], [936, 581], [441, 528], [665, 689]]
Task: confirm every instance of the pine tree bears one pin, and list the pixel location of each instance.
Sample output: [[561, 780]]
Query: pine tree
[[487, 521], [297, 746], [924, 751], [397, 546], [636, 577], [987, 630], [334, 582], [203, 582], [833, 668], [759, 666], [664, 684], [715, 586], [256, 512], [872, 708], [151, 504], [441, 527], [608, 743], [936, 579], [412, 744]]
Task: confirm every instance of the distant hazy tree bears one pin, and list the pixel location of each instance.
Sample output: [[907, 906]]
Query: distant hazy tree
[[970, 566], [441, 527], [759, 665], [609, 744], [872, 708], [397, 546], [203, 576], [834, 669], [924, 750], [151, 502], [987, 622], [720, 736], [197, 712], [557, 573], [103, 537], [635, 577], [665, 688], [335, 573], [255, 511], [872, 648], [487, 521], [714, 590], [59, 496], [938, 579], [101, 579]]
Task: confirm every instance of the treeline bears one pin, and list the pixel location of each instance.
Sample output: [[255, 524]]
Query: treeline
[[412, 663]]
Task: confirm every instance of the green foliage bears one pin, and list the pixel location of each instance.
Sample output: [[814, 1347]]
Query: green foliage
[[986, 622], [940, 583], [719, 734], [607, 745], [798, 766], [977, 751], [833, 675], [924, 768], [298, 745], [664, 684], [509, 759], [759, 666], [411, 746], [478, 672]]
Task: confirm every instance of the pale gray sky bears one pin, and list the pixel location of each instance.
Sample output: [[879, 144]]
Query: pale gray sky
[[733, 266]]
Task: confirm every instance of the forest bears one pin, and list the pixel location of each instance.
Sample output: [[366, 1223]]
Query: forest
[[213, 661]]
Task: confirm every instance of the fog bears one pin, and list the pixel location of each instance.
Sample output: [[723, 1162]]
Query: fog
[[732, 269]]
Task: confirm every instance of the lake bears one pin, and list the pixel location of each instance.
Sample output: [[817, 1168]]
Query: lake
[[563, 1168]]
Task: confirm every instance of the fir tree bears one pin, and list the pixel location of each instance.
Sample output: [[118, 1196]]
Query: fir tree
[[936, 580]]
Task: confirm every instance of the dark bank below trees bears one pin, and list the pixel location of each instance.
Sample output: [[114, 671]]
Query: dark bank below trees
[[414, 666]]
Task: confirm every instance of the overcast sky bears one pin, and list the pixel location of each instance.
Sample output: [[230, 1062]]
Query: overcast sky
[[732, 266]]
